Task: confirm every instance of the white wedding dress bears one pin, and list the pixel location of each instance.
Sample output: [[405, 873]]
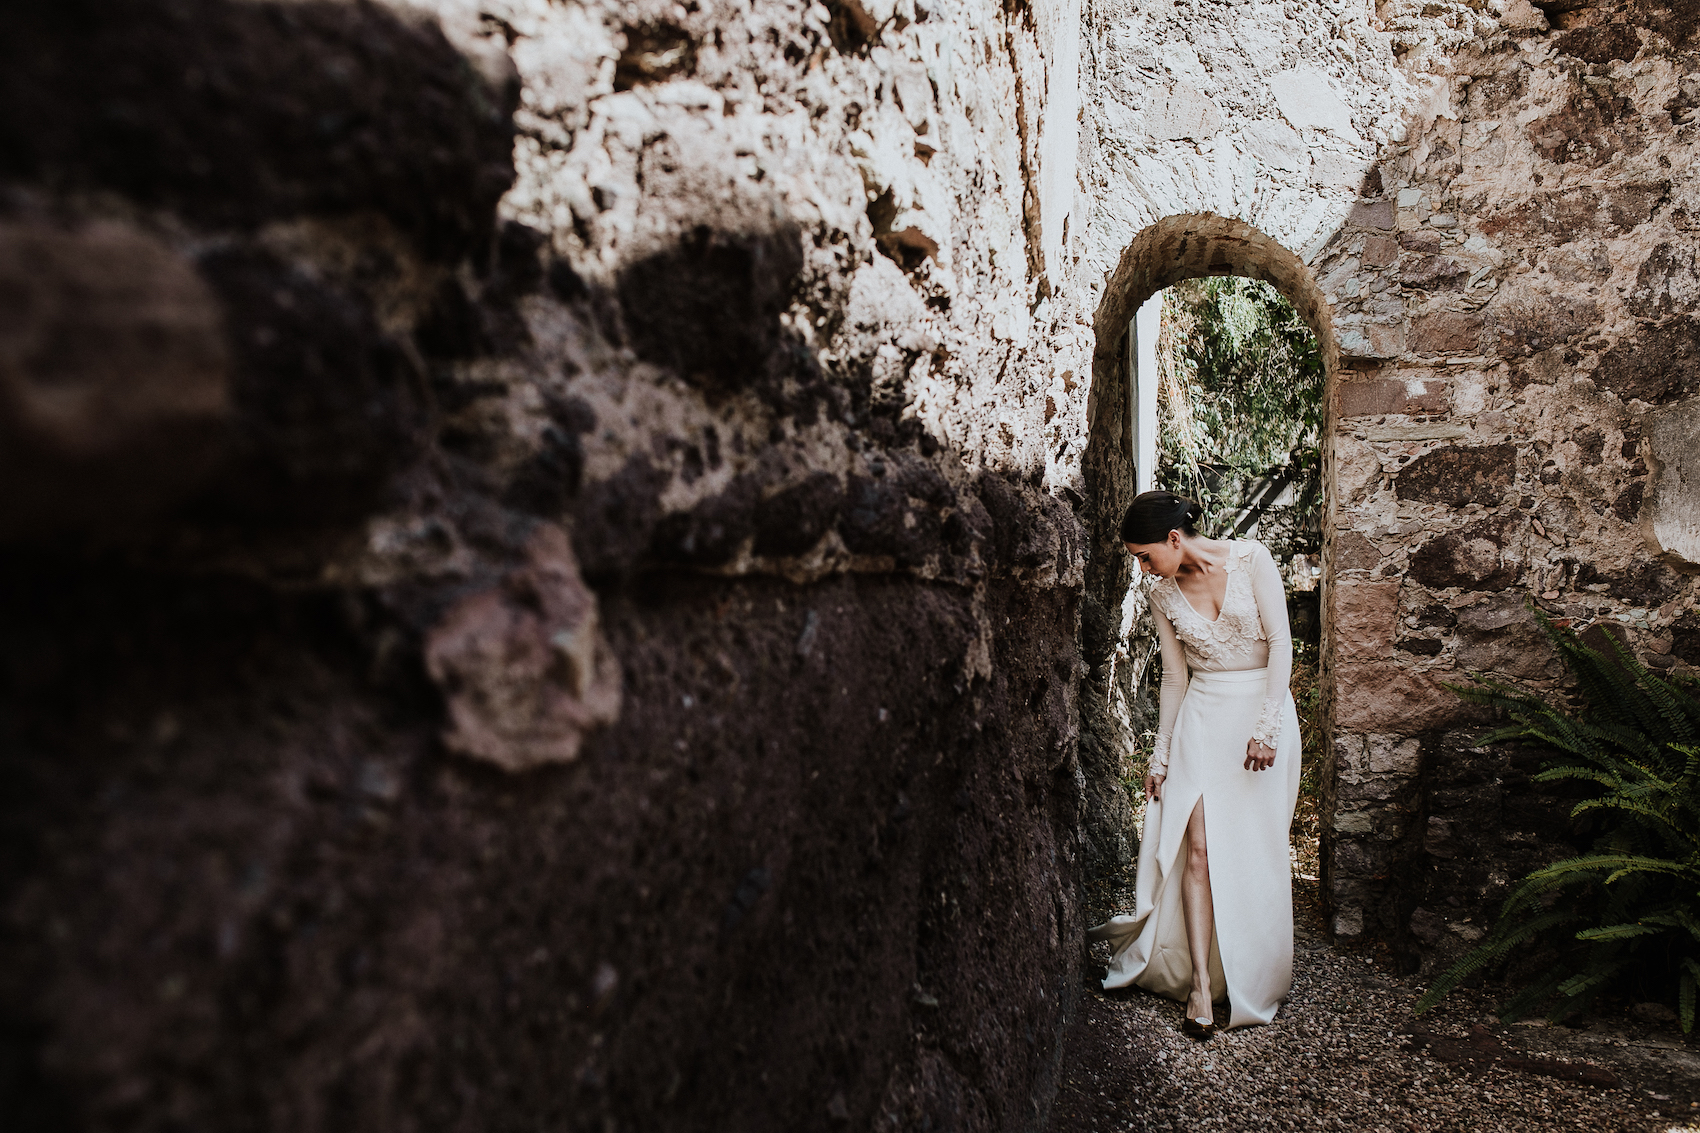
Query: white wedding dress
[[1240, 665]]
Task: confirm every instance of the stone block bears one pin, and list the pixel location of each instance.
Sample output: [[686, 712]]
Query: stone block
[[1394, 755], [1500, 635], [1354, 552], [1274, 143], [1456, 475], [1428, 927], [1447, 332], [1357, 468], [1477, 557], [1186, 112], [1672, 511], [1438, 840], [1532, 321], [1434, 273], [1349, 921], [1359, 858], [1659, 364], [1363, 339], [1667, 283], [1366, 617], [1373, 214], [522, 665], [1380, 251], [1384, 697], [1367, 788], [1349, 757], [1309, 101], [1566, 213], [1382, 396], [1354, 822]]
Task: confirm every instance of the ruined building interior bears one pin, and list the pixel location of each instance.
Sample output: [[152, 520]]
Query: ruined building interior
[[560, 555]]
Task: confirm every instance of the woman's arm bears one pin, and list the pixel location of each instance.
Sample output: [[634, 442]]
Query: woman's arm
[[1169, 696], [1272, 610]]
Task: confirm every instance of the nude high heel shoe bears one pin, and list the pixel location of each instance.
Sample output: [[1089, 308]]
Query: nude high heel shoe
[[1201, 1028]]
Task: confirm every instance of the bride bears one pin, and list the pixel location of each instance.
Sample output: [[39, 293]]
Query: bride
[[1213, 911]]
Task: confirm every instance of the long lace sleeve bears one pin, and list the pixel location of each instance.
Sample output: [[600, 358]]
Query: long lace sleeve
[[1170, 693], [1272, 611]]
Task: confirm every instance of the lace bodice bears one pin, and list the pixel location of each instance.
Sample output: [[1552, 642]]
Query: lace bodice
[[1234, 636], [1250, 632]]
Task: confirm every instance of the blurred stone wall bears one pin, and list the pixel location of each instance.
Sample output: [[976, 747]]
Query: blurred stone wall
[[541, 577]]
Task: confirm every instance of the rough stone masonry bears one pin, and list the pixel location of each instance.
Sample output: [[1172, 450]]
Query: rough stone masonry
[[1516, 425], [559, 558]]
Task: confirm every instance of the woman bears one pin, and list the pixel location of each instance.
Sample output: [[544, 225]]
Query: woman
[[1214, 905]]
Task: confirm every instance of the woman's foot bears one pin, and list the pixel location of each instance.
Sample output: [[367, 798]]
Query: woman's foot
[[1200, 1021]]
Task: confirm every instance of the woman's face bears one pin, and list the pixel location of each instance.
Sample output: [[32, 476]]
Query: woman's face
[[1161, 559]]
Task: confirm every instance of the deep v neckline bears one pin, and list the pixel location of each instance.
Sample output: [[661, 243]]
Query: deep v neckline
[[1226, 567]]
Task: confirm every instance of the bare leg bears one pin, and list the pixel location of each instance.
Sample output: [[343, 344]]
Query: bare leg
[[1200, 914]]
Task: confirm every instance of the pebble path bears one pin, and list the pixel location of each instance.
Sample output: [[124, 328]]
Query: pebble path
[[1339, 1057]]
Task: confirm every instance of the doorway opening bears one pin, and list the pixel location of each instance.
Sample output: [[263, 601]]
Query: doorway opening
[[1235, 421], [1249, 291]]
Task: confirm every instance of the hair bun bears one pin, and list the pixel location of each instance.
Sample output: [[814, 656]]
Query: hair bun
[[1154, 514]]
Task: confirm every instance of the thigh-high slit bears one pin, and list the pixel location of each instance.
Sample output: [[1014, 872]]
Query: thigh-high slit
[[1248, 814]]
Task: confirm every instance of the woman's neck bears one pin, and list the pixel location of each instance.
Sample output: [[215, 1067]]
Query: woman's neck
[[1203, 556]]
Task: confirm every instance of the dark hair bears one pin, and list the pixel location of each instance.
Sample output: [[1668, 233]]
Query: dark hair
[[1153, 515]]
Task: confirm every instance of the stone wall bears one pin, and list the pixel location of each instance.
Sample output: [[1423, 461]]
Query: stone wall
[[561, 559], [1513, 428], [1482, 212], [1217, 140], [543, 583], [1489, 231]]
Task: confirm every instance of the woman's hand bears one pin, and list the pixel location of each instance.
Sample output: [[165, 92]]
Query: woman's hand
[[1154, 787], [1258, 757]]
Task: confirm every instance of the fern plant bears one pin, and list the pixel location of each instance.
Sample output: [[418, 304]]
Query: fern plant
[[1634, 900]]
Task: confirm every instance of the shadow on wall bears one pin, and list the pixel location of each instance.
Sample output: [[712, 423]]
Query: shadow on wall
[[1173, 249]]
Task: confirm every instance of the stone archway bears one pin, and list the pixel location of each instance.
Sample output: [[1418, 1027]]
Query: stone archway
[[1173, 249]]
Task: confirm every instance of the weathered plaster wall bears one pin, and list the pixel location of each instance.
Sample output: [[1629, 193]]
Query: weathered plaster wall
[[1514, 427], [549, 586]]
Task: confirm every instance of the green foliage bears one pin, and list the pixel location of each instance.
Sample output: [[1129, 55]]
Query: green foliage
[[1241, 397], [1633, 902]]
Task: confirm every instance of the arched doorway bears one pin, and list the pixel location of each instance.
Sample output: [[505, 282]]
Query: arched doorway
[[1170, 251]]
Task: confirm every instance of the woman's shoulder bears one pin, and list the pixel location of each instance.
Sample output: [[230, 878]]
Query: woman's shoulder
[[1251, 550]]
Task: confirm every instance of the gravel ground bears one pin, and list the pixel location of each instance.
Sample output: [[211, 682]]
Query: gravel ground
[[1342, 1055]]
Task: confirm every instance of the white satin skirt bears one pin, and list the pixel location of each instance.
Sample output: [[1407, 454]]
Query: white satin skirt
[[1247, 817]]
